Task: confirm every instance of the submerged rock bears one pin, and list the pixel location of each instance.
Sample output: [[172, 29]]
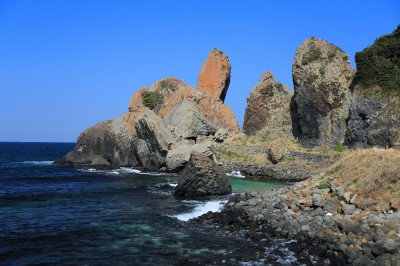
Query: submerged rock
[[322, 76], [202, 177], [268, 109]]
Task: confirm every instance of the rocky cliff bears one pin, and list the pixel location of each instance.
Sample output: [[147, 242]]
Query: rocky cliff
[[268, 109], [215, 74], [374, 114], [163, 125], [322, 76]]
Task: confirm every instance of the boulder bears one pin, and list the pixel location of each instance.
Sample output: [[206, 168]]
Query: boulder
[[202, 177], [178, 157], [322, 76], [318, 200], [187, 122], [175, 91], [275, 154], [215, 74], [268, 109]]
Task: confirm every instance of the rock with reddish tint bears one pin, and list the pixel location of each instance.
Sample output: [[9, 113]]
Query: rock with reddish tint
[[215, 74], [175, 91], [322, 76], [137, 100], [268, 109]]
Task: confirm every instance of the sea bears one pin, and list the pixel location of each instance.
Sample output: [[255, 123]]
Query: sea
[[78, 215]]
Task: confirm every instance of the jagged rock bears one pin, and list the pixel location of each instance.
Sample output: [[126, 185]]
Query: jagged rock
[[318, 200], [178, 157], [275, 154], [268, 109], [100, 161], [175, 91], [322, 76], [137, 100], [221, 135], [215, 74], [202, 177], [187, 122], [374, 117], [138, 139]]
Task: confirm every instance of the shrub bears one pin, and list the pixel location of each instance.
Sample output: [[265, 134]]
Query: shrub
[[339, 147], [310, 56], [379, 64], [324, 185], [152, 99]]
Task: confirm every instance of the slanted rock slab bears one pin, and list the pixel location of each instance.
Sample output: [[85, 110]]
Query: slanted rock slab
[[202, 177]]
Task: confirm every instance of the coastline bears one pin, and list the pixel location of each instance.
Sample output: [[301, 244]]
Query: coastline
[[347, 235]]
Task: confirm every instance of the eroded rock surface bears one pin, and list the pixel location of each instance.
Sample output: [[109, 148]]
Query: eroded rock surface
[[202, 177], [322, 76], [268, 109], [215, 74]]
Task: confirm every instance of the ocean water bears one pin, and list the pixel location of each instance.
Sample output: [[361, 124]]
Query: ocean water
[[77, 215]]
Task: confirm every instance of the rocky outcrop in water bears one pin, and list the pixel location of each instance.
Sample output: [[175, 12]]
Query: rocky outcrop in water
[[268, 109], [322, 76], [171, 118], [215, 74], [138, 139], [202, 177]]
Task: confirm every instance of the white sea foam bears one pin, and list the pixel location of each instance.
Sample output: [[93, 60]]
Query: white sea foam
[[129, 170], [201, 208], [173, 184], [38, 162]]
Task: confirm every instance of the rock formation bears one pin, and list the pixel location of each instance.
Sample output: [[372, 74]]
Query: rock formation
[[187, 122], [268, 109], [175, 91], [322, 76], [202, 177], [169, 119], [374, 117], [214, 76], [138, 139]]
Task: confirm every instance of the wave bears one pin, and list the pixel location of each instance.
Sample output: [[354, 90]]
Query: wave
[[201, 208], [37, 162]]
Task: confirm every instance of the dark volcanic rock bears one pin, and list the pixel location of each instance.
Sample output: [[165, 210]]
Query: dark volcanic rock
[[322, 76], [268, 109], [202, 177]]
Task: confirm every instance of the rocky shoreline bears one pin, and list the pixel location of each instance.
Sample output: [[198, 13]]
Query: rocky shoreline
[[331, 223]]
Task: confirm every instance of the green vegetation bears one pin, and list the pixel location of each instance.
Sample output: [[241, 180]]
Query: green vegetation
[[310, 56], [324, 185], [152, 99], [332, 54], [167, 85], [335, 169], [322, 71], [379, 64], [339, 147]]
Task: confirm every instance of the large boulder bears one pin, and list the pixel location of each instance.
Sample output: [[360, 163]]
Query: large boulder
[[137, 139], [268, 109], [175, 91], [215, 74], [178, 157], [202, 177], [322, 76], [187, 122]]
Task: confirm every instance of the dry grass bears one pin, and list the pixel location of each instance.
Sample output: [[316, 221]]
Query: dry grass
[[369, 172]]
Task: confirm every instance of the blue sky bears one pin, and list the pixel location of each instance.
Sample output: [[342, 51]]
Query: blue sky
[[67, 64]]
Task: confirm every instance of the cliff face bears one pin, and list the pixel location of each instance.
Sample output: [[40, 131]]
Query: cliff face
[[375, 111], [268, 109], [322, 76], [215, 74], [167, 119]]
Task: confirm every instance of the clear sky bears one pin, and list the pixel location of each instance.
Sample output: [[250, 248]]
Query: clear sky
[[67, 64]]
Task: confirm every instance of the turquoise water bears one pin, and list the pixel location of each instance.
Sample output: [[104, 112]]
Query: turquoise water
[[75, 215]]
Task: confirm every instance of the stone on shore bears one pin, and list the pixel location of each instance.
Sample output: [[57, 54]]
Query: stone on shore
[[202, 177]]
